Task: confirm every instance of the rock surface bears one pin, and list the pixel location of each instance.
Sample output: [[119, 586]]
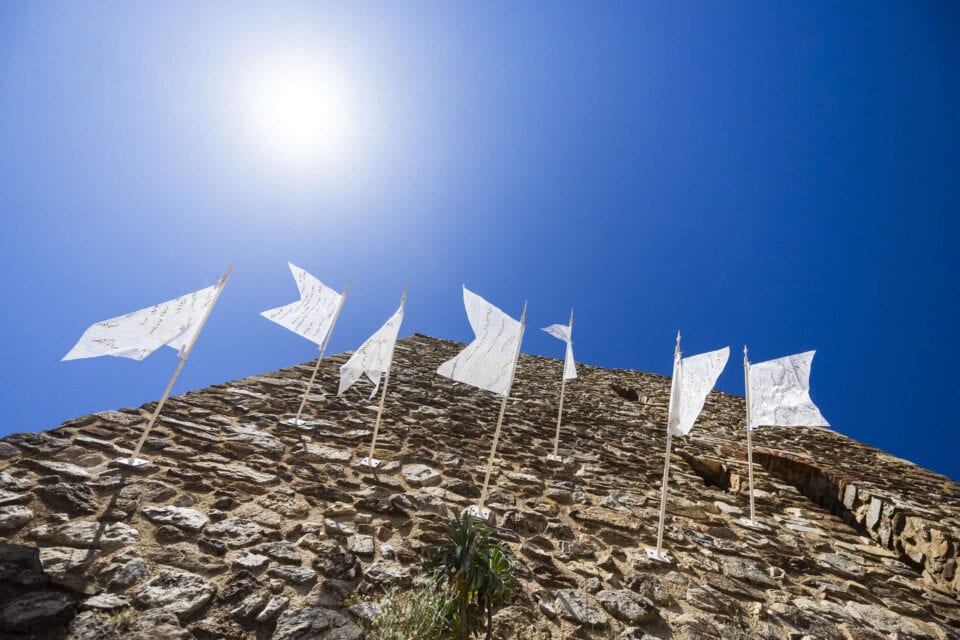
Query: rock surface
[[246, 525]]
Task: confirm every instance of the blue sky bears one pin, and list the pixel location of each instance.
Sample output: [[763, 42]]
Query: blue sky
[[782, 175]]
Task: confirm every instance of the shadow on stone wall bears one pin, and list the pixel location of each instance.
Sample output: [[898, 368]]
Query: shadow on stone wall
[[34, 606], [911, 531]]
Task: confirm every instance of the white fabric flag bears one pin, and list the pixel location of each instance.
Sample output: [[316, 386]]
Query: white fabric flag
[[780, 393], [313, 314], [136, 335], [562, 332], [696, 378], [374, 356], [488, 361]]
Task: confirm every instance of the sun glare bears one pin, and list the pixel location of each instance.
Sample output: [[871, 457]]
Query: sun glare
[[299, 110]]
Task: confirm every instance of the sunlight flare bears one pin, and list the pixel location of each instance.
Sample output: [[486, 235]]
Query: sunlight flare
[[298, 108]]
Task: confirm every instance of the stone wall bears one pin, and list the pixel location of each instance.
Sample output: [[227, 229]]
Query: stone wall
[[245, 526]]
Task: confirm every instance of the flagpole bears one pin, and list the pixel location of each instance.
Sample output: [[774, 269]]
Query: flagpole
[[746, 384], [182, 356], [323, 349], [503, 409], [563, 386], [674, 392], [383, 395]]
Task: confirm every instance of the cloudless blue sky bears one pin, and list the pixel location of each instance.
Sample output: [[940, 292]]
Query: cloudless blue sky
[[785, 175]]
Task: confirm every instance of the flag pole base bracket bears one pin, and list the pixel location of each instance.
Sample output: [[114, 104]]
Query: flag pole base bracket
[[553, 458], [373, 463], [480, 513], [132, 463], [747, 523], [660, 556]]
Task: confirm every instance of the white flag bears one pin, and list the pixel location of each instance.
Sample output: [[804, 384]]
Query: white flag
[[374, 356], [488, 361], [562, 332], [136, 335], [689, 389], [313, 314], [780, 393]]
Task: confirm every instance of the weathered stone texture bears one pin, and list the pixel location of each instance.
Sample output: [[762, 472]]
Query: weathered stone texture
[[246, 525]]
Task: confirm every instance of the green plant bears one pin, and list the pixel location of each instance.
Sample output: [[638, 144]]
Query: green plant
[[420, 613], [739, 627], [479, 572]]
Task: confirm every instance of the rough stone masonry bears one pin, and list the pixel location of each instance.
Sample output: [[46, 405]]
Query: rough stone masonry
[[245, 527]]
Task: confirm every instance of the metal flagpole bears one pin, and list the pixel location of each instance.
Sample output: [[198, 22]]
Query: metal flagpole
[[674, 396], [746, 384], [134, 460], [479, 510], [563, 386], [323, 348], [371, 461]]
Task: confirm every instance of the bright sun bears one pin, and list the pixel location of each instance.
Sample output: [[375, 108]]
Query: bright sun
[[299, 109]]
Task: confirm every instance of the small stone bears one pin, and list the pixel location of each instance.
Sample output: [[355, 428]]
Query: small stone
[[249, 606], [14, 517], [627, 606], [178, 592], [186, 500], [288, 506], [39, 444], [244, 474], [62, 559], [183, 556], [274, 608], [748, 571], [414, 503], [841, 564], [90, 625], [71, 497], [461, 488], [106, 601], [250, 561], [119, 417], [155, 619], [15, 484], [86, 534], [63, 469], [420, 475], [180, 517], [884, 620], [342, 566], [361, 545], [247, 438], [283, 552], [293, 575], [334, 528], [649, 586], [706, 599], [387, 574], [580, 608], [873, 513], [316, 453], [129, 574], [239, 586], [168, 533], [236, 532], [525, 479], [302, 623]]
